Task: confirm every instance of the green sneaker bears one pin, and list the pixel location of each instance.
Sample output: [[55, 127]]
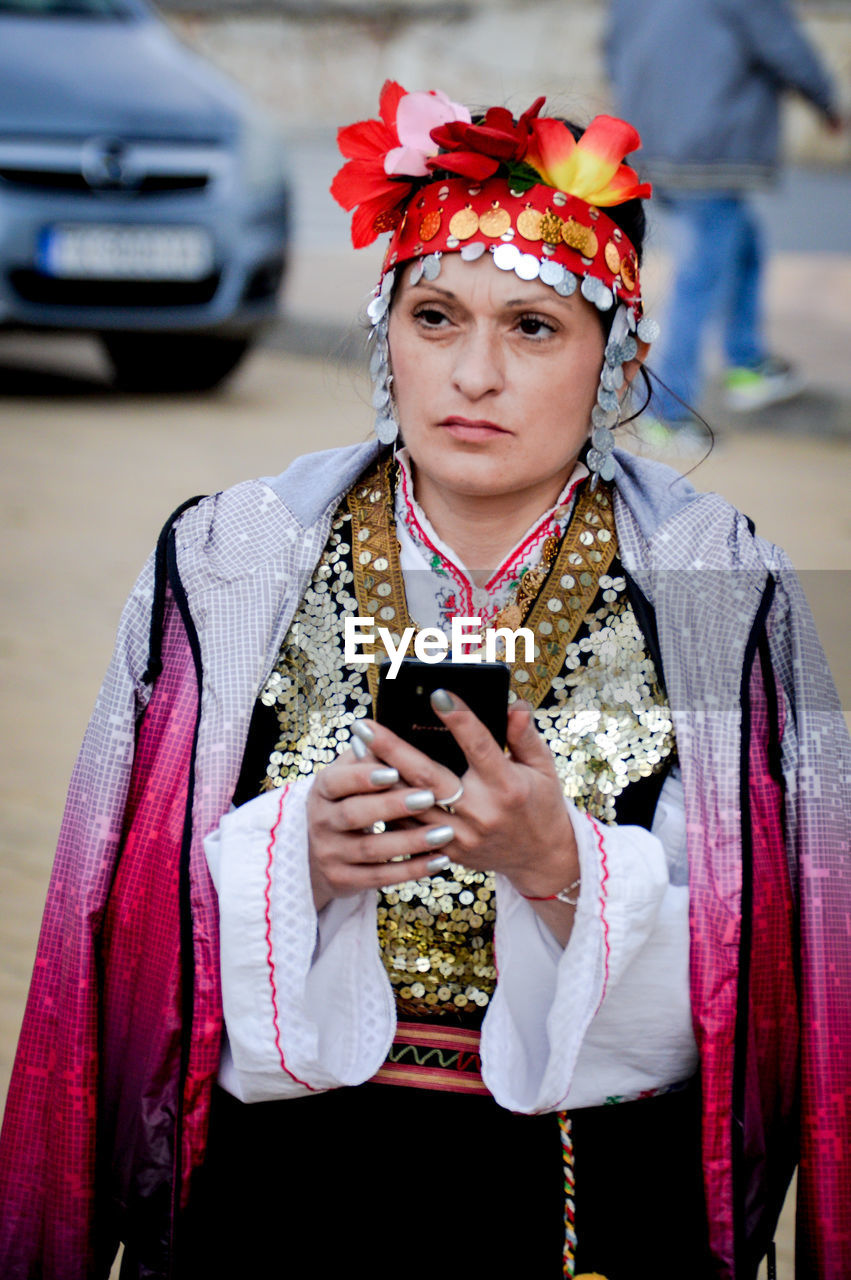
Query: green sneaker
[[771, 382], [671, 440]]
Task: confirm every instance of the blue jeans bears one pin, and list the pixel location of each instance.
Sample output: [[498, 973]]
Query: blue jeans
[[717, 280]]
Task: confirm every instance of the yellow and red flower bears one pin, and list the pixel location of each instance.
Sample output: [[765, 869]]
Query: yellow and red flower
[[591, 168]]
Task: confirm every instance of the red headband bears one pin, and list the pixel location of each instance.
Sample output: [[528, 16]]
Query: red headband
[[548, 225]]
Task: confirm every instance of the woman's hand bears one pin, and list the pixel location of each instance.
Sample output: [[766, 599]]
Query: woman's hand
[[345, 801], [512, 816]]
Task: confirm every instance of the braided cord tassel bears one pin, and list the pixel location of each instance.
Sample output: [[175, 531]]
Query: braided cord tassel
[[569, 1253]]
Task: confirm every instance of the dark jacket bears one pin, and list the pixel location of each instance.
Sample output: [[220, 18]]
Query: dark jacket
[[701, 80]]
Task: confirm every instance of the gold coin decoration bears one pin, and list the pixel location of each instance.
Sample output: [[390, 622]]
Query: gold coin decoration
[[571, 233], [494, 221], [529, 223], [430, 225], [613, 257], [464, 223], [591, 245], [551, 225], [628, 272], [575, 236]]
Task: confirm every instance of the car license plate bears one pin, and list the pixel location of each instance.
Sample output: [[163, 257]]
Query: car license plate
[[125, 253]]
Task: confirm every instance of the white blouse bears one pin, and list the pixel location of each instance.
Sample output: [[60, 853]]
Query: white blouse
[[308, 1004]]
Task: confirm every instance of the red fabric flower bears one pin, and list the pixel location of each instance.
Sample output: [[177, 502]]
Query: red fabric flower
[[477, 150], [363, 182]]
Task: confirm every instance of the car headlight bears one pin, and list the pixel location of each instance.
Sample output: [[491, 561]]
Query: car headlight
[[264, 157]]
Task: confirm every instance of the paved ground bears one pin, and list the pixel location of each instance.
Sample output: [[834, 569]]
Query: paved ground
[[88, 476]]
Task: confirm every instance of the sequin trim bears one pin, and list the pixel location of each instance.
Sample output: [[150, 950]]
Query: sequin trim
[[436, 937]]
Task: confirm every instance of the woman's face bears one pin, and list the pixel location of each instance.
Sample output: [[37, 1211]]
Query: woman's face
[[494, 379]]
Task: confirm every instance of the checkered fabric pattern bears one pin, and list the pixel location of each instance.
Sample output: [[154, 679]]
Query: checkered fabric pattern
[[706, 574]]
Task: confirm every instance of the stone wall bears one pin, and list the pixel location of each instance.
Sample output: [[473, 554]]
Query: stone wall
[[315, 65]]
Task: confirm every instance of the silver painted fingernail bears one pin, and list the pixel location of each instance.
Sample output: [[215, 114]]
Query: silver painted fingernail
[[382, 777], [359, 749], [438, 836], [363, 731], [440, 863], [419, 800], [442, 701]]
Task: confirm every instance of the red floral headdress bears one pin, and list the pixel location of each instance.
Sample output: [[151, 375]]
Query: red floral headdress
[[442, 182], [527, 192]]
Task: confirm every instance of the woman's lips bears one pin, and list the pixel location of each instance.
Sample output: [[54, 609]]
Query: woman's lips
[[472, 428]]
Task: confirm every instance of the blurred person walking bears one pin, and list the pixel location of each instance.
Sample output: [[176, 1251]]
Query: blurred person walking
[[703, 80]]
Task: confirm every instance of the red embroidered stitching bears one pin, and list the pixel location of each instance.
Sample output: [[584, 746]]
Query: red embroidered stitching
[[453, 570], [526, 547], [548, 527], [603, 879], [268, 896]]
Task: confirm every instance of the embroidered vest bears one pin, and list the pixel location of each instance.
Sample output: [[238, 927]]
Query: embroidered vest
[[592, 684]]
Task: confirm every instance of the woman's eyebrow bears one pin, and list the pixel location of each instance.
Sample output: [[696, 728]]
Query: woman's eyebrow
[[535, 300], [434, 288]]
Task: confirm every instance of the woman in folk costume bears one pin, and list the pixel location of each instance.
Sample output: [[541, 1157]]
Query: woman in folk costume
[[305, 998]]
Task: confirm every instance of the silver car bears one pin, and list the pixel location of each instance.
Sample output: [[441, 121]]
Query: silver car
[[142, 197]]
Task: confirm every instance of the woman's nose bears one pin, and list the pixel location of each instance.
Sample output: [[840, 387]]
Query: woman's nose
[[479, 367]]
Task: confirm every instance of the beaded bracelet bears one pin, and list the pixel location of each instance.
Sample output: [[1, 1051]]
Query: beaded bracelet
[[562, 896]]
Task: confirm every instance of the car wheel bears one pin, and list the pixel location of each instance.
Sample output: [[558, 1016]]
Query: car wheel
[[163, 362]]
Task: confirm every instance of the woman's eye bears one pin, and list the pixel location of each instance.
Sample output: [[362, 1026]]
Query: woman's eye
[[535, 326], [430, 317]]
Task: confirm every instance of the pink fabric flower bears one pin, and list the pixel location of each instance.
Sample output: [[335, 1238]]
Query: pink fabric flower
[[416, 116]]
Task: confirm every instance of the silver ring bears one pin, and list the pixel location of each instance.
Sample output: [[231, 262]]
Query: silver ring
[[447, 804]]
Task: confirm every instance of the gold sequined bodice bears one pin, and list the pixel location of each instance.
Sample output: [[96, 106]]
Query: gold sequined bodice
[[603, 714]]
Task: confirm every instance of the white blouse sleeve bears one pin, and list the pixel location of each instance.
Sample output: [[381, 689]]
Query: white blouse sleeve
[[609, 1015], [307, 1002], [308, 1005]]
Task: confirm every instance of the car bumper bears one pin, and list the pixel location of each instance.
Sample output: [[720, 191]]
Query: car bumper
[[249, 236]]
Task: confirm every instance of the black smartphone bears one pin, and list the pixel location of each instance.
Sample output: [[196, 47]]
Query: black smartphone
[[404, 706]]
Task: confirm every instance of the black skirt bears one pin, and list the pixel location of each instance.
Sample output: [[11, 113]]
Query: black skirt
[[420, 1183]]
